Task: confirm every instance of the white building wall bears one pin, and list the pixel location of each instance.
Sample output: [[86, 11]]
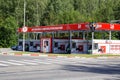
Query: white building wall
[[75, 49], [31, 48], [111, 46], [60, 43]]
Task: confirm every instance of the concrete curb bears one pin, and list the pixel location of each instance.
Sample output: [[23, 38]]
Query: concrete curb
[[33, 54], [51, 56]]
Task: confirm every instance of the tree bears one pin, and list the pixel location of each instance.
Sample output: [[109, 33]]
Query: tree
[[117, 9], [52, 12], [8, 33]]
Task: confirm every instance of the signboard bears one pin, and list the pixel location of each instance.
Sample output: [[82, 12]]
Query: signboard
[[44, 28], [66, 27], [24, 29]]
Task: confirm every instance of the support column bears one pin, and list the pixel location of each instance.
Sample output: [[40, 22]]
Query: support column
[[40, 35], [92, 42], [52, 42], [70, 41], [109, 40], [23, 42], [109, 35], [83, 35], [43, 34], [87, 42], [36, 36], [18, 37], [58, 34], [78, 34], [24, 26]]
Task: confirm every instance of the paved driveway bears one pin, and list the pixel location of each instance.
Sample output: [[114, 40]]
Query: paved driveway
[[45, 68]]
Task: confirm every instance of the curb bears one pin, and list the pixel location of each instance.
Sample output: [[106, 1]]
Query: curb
[[33, 55], [53, 56]]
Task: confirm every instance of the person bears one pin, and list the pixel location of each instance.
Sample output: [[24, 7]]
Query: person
[[68, 49], [46, 46], [38, 47], [26, 47], [100, 50]]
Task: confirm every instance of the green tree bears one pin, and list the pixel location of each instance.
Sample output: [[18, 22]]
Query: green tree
[[8, 33], [117, 9]]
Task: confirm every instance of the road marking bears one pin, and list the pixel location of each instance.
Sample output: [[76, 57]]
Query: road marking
[[36, 61], [56, 61], [3, 64], [46, 61], [29, 63], [10, 63]]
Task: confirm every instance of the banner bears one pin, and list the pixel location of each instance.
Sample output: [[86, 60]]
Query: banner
[[72, 27]]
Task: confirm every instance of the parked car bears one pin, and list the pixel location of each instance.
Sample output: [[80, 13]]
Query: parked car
[[14, 47]]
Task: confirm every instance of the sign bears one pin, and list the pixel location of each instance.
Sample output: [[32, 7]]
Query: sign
[[111, 26], [24, 29], [44, 28], [66, 27]]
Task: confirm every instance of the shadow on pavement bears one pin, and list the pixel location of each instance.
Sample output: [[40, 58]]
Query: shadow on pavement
[[101, 69]]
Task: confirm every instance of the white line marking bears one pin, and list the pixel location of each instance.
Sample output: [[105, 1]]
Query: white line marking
[[36, 61], [53, 61], [3, 64], [24, 62], [10, 63]]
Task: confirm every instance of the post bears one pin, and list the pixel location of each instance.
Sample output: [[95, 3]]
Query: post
[[23, 42], [78, 34], [83, 35], [109, 40], [18, 38], [109, 35], [70, 42], [52, 42], [24, 26], [92, 42]]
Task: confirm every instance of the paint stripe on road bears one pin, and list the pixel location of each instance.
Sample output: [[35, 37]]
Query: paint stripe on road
[[7, 62], [36, 61], [56, 61], [23, 62], [3, 65]]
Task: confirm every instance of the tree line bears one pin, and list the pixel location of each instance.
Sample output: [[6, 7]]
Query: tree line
[[52, 12]]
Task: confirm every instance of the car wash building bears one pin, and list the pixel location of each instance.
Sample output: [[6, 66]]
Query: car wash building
[[71, 44]]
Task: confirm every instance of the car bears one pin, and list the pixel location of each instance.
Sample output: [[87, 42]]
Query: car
[[14, 47]]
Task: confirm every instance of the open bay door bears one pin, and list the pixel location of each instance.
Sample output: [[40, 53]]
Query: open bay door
[[46, 45]]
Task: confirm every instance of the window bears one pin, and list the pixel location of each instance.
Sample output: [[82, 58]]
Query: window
[[73, 45], [80, 47], [31, 43], [20, 43], [96, 46], [89, 47], [56, 44], [115, 47]]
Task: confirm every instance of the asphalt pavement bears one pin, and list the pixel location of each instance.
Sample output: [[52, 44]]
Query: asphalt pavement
[[46, 68]]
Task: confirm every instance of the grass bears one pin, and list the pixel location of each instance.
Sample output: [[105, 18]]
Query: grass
[[87, 55], [71, 55]]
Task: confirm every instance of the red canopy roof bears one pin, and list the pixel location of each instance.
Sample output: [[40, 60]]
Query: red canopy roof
[[79, 27]]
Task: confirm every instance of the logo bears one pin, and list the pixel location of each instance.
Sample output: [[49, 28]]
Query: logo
[[79, 26], [24, 29], [111, 26], [68, 27], [87, 26], [98, 26]]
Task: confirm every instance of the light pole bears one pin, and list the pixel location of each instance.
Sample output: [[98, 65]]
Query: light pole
[[92, 28], [24, 27], [70, 42], [92, 42]]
